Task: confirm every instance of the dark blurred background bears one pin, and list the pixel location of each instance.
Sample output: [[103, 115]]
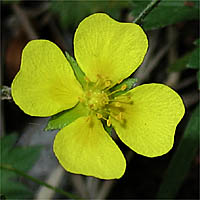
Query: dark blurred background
[[22, 21]]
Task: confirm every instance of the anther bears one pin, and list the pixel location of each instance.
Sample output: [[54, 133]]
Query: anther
[[99, 116], [108, 122], [119, 117], [123, 87], [118, 104], [108, 83], [86, 79], [120, 81]]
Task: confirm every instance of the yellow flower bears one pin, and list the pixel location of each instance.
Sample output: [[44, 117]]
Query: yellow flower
[[144, 118]]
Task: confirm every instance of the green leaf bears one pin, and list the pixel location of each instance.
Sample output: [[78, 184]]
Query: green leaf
[[70, 13], [190, 60], [22, 158], [194, 59], [80, 76], [198, 78], [182, 159], [7, 143], [15, 190], [180, 64], [167, 12], [130, 83], [66, 117]]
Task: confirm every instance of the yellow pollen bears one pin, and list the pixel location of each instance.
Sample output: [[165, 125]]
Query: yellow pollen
[[99, 101], [107, 83], [120, 81], [99, 116], [123, 87], [96, 99], [118, 104], [108, 123]]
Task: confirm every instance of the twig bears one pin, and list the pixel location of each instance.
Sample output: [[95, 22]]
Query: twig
[[190, 98], [145, 71], [54, 179], [5, 93], [24, 21], [105, 189], [93, 186], [186, 82], [58, 190], [79, 184], [173, 78], [146, 11]]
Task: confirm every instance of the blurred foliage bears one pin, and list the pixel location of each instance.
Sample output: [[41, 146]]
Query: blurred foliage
[[182, 159], [69, 14], [190, 60], [72, 12], [21, 158], [194, 59], [180, 64], [167, 12], [10, 1]]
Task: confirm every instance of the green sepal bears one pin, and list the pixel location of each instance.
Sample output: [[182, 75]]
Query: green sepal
[[108, 129], [130, 83], [66, 117], [80, 75]]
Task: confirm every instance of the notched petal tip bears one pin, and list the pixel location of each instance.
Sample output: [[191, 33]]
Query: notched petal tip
[[151, 119], [40, 87], [105, 47], [90, 152]]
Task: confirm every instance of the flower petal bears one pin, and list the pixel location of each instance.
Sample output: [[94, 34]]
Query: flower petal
[[107, 48], [151, 120], [45, 84], [84, 147]]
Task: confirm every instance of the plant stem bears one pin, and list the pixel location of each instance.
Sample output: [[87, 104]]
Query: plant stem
[[146, 11], [58, 190], [5, 93]]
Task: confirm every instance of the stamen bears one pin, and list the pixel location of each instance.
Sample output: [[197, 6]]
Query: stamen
[[86, 79], [119, 117], [99, 116], [120, 81], [108, 83], [88, 118], [108, 122], [87, 82], [80, 99], [123, 87], [117, 104]]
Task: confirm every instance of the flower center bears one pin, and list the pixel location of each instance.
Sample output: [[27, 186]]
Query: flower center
[[96, 100], [100, 101]]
